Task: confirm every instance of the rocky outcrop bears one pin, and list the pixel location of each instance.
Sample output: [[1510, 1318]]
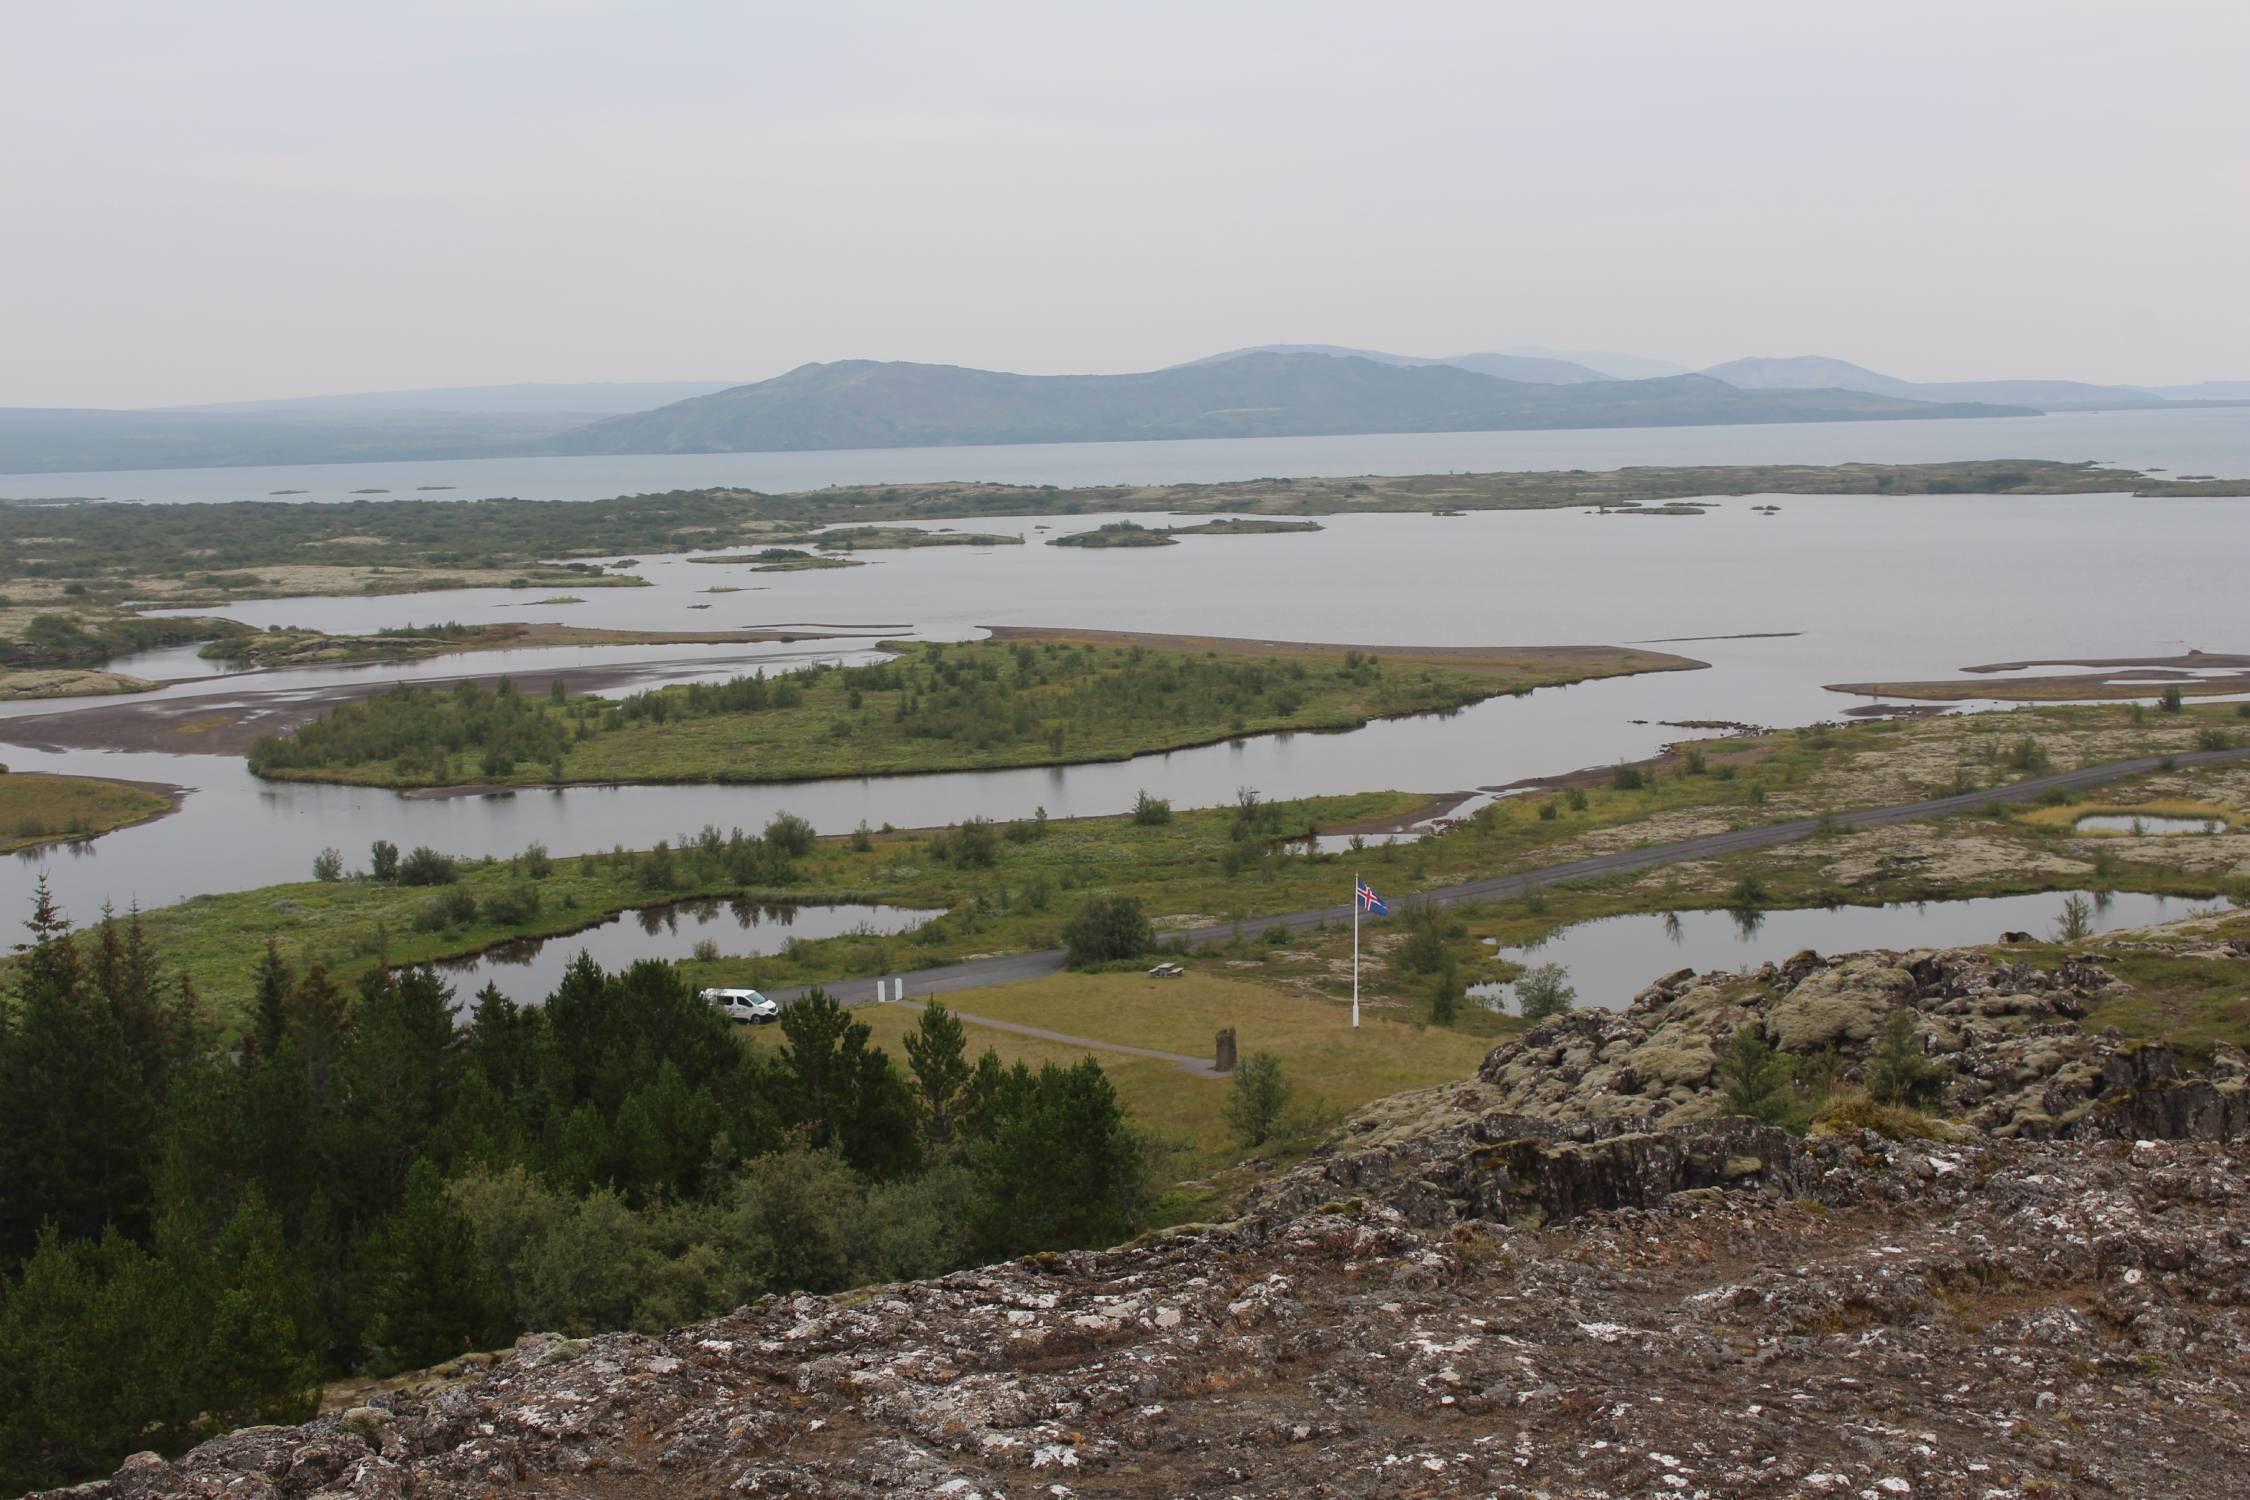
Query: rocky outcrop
[[1570, 1276], [2006, 1034], [2001, 1317]]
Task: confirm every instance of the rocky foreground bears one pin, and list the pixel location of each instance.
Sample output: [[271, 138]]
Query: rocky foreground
[[1507, 1287]]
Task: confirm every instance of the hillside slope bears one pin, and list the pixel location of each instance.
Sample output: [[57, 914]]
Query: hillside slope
[[867, 404], [1488, 1288]]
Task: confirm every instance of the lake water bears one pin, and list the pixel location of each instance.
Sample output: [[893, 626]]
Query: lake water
[[528, 970], [1837, 588], [1612, 959], [2205, 440], [2138, 824]]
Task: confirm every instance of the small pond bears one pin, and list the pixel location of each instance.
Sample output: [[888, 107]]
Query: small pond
[[2139, 824], [528, 969], [1612, 959]]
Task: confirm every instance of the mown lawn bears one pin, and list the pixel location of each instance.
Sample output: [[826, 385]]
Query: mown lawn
[[1331, 1067]]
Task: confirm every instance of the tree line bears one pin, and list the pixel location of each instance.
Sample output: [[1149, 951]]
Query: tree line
[[193, 1238]]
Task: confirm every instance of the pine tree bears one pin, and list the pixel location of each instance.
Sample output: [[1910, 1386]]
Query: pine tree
[[76, 1110], [937, 1052], [270, 1010], [257, 1355], [428, 1296]]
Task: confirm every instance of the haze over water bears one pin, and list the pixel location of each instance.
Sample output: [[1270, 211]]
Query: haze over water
[[2195, 440]]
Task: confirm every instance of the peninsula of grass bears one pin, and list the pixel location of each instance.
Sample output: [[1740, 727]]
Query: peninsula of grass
[[67, 682], [1134, 534], [896, 538], [777, 560], [1116, 534], [1031, 698], [283, 646], [1245, 526], [37, 808]]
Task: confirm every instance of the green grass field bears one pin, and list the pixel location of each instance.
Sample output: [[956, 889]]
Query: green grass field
[[36, 808], [1332, 1068]]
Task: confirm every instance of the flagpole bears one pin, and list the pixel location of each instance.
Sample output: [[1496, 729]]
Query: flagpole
[[1355, 952]]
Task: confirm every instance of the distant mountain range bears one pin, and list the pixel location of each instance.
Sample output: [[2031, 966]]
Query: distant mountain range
[[594, 399], [1279, 390], [1254, 393]]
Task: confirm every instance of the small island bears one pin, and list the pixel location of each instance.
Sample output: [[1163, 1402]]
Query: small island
[[1133, 534], [1026, 697], [38, 808]]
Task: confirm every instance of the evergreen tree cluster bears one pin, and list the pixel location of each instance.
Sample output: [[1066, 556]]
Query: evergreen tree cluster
[[194, 1238]]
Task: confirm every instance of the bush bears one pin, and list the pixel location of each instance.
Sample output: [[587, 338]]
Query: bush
[[1277, 936], [1445, 1000], [513, 907], [328, 865], [1626, 778], [536, 862], [1849, 1114], [2076, 923], [1576, 799], [1151, 812], [382, 859], [2027, 754], [1757, 1077], [790, 834], [425, 866], [1107, 929], [1543, 992], [1902, 1072], [1549, 810], [1748, 894], [2212, 737], [974, 845], [453, 909], [2172, 701], [1255, 1102]]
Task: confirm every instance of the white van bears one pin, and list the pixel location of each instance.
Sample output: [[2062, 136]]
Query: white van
[[745, 1006]]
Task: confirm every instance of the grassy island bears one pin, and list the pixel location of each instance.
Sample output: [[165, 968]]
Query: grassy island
[[36, 808], [1134, 534], [1117, 534], [1033, 698], [284, 646]]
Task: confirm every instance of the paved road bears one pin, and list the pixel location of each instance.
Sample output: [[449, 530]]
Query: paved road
[[1014, 968]]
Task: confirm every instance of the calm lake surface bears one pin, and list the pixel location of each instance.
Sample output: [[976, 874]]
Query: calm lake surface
[[1831, 589], [2196, 440], [527, 971], [1612, 959]]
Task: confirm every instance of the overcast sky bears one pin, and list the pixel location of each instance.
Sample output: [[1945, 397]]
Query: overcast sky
[[211, 201]]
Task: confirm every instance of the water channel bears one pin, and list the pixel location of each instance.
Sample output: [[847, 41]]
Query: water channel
[[1611, 959]]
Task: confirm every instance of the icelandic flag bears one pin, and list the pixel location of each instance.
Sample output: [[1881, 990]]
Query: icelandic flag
[[1369, 902]]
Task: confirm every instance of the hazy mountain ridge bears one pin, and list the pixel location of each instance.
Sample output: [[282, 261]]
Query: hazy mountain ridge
[[586, 399], [869, 404], [1536, 369], [1292, 390], [58, 440], [1813, 371]]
